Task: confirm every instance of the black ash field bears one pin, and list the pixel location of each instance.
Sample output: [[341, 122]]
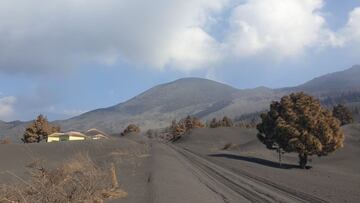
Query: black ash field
[[206, 165]]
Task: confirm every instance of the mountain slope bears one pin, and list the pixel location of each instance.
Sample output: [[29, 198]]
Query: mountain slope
[[348, 79], [12, 130], [163, 102], [158, 106], [178, 94], [207, 99]]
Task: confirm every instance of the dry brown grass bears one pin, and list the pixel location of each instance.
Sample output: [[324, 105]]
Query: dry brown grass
[[78, 180], [5, 141]]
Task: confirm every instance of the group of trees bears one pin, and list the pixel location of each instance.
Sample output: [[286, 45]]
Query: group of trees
[[298, 123], [225, 122], [38, 130], [177, 129]]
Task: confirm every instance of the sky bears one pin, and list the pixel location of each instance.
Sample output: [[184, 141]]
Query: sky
[[62, 58]]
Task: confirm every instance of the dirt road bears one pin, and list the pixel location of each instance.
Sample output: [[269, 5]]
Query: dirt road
[[205, 181]]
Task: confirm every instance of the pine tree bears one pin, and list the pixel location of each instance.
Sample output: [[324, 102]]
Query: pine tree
[[343, 114], [39, 130], [214, 123], [298, 123], [227, 122]]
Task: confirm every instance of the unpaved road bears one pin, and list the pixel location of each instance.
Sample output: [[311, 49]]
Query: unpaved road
[[156, 172], [206, 181]]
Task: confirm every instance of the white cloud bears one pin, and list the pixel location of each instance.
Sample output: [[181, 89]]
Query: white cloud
[[7, 107], [194, 49], [281, 27], [351, 31], [41, 34], [353, 25]]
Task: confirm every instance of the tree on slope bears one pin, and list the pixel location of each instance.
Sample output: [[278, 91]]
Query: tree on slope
[[191, 122], [178, 129], [131, 128], [214, 123], [39, 130], [298, 123], [343, 114], [227, 122]]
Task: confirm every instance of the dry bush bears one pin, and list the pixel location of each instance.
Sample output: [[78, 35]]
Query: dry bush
[[78, 180], [5, 141], [132, 128]]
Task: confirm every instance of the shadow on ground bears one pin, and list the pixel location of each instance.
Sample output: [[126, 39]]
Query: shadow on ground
[[260, 161]]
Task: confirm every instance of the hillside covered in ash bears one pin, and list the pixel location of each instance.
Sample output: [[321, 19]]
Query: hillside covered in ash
[[205, 99]]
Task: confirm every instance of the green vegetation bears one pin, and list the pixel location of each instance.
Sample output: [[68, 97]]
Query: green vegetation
[[39, 130], [298, 123]]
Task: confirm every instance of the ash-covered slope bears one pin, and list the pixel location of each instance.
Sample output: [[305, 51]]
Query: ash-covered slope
[[334, 88], [206, 99], [346, 80], [12, 130], [176, 95], [158, 106]]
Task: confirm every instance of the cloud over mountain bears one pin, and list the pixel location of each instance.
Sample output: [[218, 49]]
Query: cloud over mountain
[[285, 27], [44, 35], [351, 32]]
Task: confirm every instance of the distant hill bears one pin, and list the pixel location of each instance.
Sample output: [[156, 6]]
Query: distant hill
[[12, 130], [347, 80], [334, 88], [158, 106]]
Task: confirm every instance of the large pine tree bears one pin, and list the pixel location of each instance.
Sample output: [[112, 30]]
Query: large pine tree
[[298, 123]]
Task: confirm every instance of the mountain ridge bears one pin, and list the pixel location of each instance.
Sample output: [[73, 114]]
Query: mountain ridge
[[157, 106]]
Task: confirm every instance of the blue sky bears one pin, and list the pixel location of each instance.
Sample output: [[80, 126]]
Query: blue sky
[[69, 56]]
